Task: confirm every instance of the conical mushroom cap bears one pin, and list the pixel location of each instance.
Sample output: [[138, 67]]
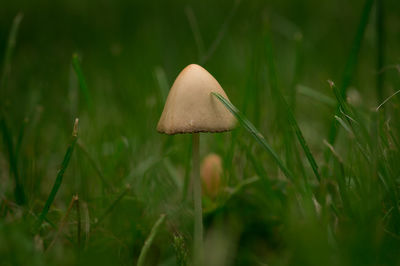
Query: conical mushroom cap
[[190, 106]]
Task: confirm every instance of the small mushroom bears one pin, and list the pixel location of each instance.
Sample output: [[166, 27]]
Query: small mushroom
[[191, 108], [210, 172]]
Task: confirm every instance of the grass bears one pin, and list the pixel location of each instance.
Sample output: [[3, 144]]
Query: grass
[[254, 133], [150, 239], [12, 39], [12, 158], [352, 60], [286, 108], [380, 50], [81, 79], [290, 195], [59, 178]]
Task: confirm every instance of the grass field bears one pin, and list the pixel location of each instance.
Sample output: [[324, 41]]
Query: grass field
[[310, 176]]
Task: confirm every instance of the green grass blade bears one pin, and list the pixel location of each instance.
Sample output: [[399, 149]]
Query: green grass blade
[[162, 81], [59, 177], [344, 125], [231, 192], [20, 137], [351, 62], [94, 165], [341, 101], [112, 206], [348, 113], [173, 173], [353, 126], [255, 133], [82, 82], [224, 28], [304, 144], [315, 95], [149, 240], [278, 105], [380, 52], [260, 171], [286, 108], [298, 38], [194, 25], [19, 189], [12, 37]]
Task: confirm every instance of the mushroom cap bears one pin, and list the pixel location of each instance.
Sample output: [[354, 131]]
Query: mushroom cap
[[190, 106], [211, 172]]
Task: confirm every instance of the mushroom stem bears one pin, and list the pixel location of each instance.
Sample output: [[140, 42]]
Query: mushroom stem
[[198, 212]]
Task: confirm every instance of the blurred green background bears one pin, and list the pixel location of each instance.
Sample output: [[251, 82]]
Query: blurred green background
[[130, 53]]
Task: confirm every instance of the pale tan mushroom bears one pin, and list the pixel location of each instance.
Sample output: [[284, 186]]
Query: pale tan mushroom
[[191, 108]]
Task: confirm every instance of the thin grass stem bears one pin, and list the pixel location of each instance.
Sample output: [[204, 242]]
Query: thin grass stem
[[282, 102], [94, 165], [150, 239], [196, 31], [12, 39], [380, 49], [112, 206], [86, 223], [19, 192], [63, 221], [82, 82], [59, 177], [386, 100], [221, 33], [78, 223], [351, 65]]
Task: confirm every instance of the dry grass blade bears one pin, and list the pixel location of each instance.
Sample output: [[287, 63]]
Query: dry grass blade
[[73, 201], [86, 224], [78, 224], [386, 100]]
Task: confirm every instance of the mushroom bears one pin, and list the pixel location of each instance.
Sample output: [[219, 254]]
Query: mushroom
[[210, 172], [190, 108]]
